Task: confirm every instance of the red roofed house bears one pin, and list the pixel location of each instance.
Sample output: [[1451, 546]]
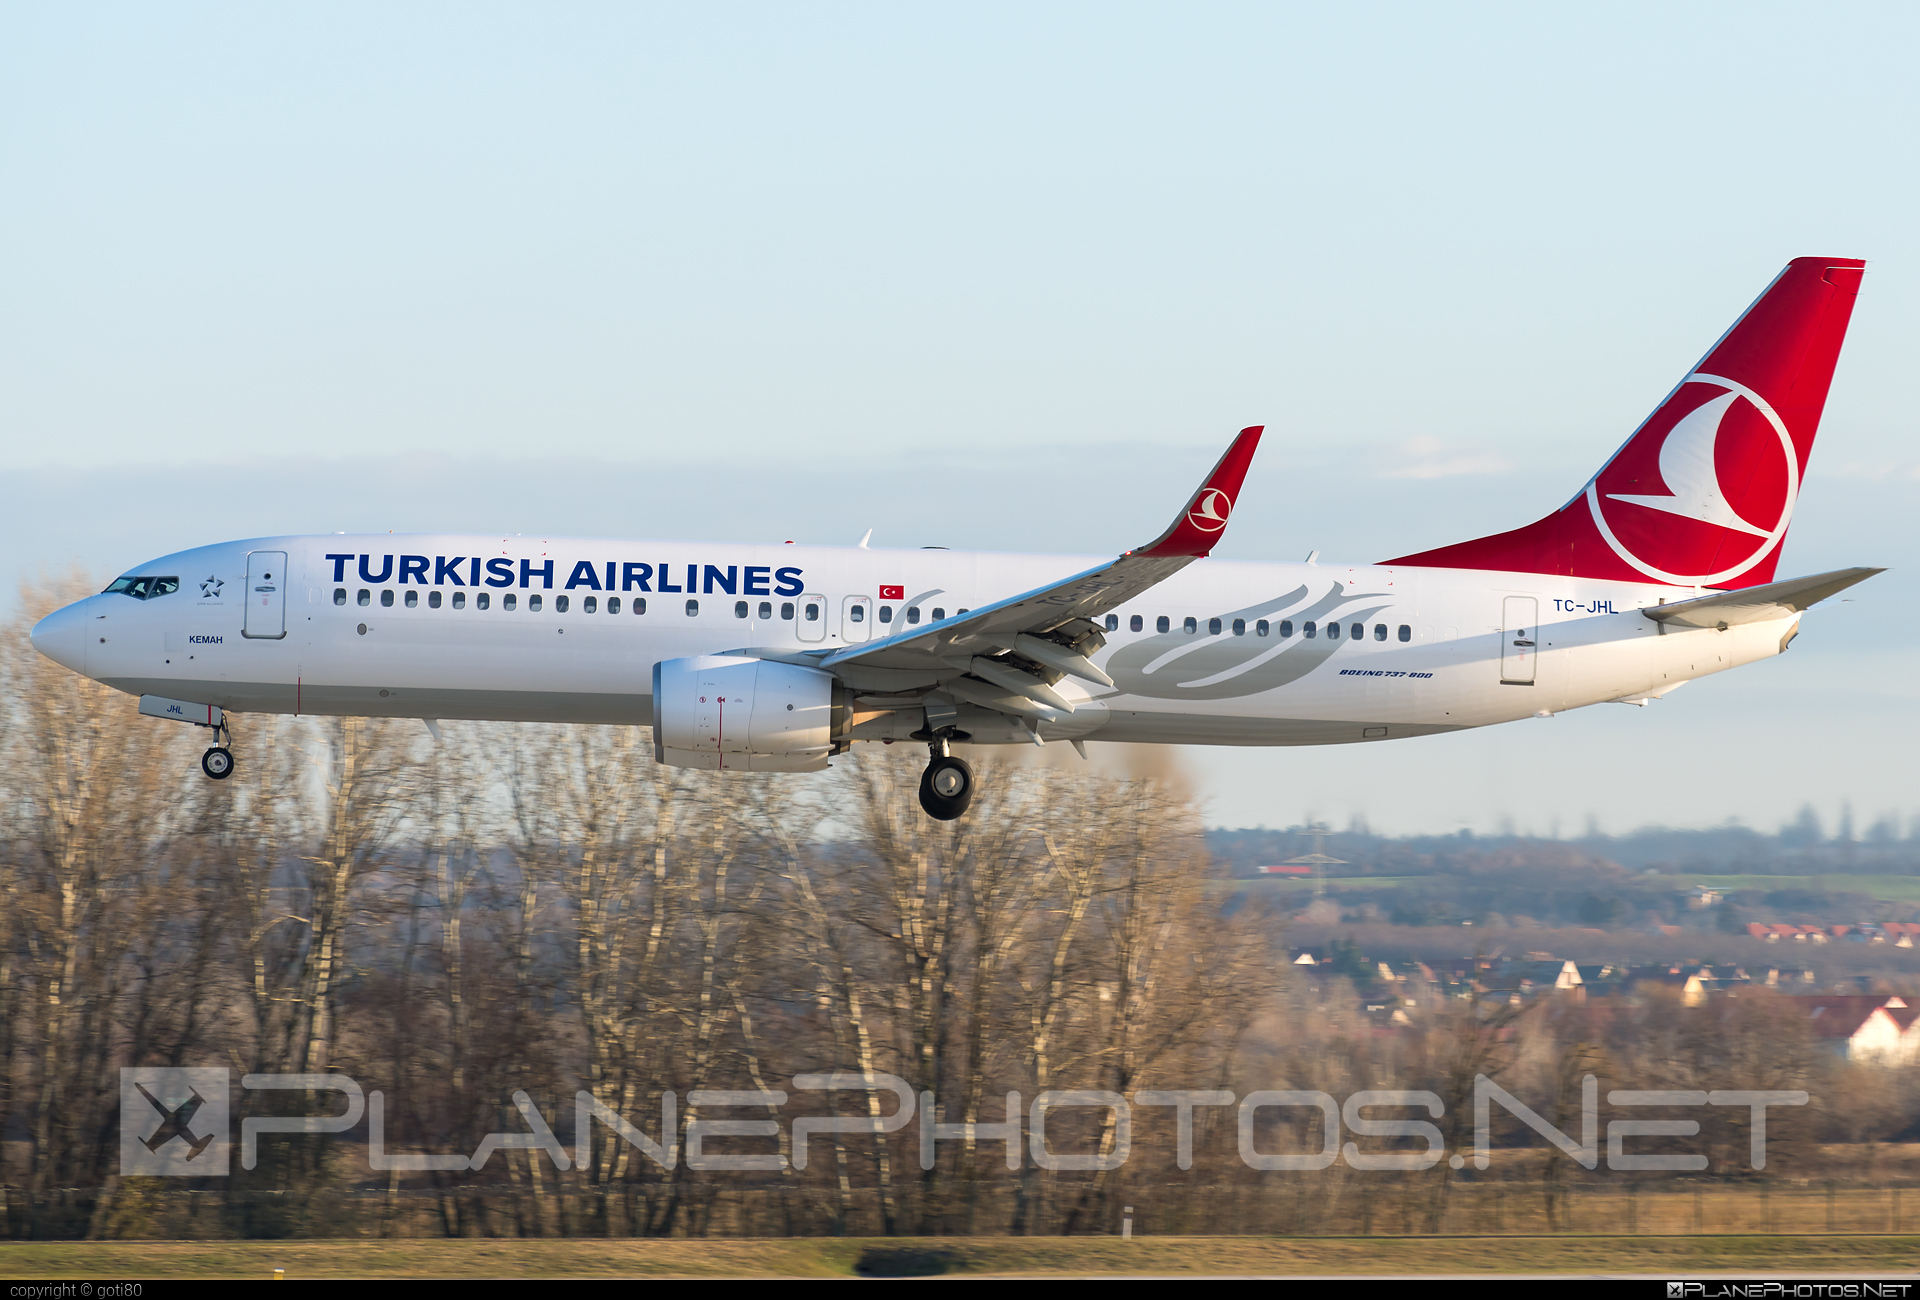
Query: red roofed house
[[1872, 1028]]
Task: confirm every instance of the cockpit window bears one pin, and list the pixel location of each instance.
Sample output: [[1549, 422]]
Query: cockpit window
[[143, 588]]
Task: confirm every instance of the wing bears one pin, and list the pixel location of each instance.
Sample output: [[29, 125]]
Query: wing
[[1024, 644]]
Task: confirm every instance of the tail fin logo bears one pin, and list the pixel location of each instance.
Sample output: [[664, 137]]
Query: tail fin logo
[[1726, 466], [1210, 511]]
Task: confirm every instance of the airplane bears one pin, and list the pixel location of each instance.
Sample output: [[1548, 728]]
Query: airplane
[[1660, 570]]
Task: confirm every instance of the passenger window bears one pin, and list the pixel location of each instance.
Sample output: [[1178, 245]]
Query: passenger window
[[386, 598], [560, 603], [1135, 623], [1286, 628], [766, 609], [913, 615], [1379, 631], [509, 601], [1213, 627], [1162, 624], [613, 604], [365, 596], [1358, 631], [339, 595], [591, 605], [433, 600], [938, 613], [459, 600], [1262, 628], [413, 599], [1113, 622], [1333, 631], [693, 609], [1191, 625], [739, 609], [786, 611], [1239, 627], [886, 613], [1406, 632], [813, 611], [857, 613], [1307, 630], [482, 599], [960, 613], [535, 601]]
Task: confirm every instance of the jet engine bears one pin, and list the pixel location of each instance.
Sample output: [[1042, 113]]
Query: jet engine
[[742, 714]]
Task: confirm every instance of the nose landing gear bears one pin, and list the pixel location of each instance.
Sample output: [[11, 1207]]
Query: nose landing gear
[[218, 761], [946, 787]]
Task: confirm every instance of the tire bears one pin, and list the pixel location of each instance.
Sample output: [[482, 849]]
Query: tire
[[217, 763], [946, 788]]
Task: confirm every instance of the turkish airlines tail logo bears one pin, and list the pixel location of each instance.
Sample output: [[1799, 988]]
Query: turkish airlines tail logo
[[1692, 478], [1715, 455], [1210, 510]]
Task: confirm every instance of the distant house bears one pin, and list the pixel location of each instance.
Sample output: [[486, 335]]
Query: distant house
[[1691, 985], [1900, 933], [1871, 1028], [1701, 896], [1548, 976], [1305, 959], [1797, 933]]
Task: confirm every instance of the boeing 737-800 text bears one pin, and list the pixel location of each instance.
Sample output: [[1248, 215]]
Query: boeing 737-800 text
[[774, 658]]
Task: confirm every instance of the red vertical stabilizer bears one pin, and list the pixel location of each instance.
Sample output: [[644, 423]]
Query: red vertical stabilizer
[[1703, 492]]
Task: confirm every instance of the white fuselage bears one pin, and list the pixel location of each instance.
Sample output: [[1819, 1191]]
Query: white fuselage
[[378, 633]]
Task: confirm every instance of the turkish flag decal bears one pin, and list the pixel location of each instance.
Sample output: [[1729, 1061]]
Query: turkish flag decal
[[892, 593]]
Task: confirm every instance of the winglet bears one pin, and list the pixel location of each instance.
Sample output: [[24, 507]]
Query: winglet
[[1205, 518]]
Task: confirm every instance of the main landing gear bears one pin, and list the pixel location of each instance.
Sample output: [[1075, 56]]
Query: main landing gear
[[946, 787]]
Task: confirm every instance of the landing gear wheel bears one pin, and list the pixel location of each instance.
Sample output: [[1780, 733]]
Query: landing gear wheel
[[946, 788], [217, 763]]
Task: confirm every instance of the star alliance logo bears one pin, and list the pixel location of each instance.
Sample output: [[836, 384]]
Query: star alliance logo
[[211, 587]]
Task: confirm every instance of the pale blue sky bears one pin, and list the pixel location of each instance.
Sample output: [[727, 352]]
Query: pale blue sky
[[1001, 277]]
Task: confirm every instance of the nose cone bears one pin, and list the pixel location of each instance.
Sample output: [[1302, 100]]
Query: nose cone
[[62, 637]]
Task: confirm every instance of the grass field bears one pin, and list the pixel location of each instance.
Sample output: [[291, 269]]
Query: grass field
[[108, 1262], [1891, 889], [1305, 883]]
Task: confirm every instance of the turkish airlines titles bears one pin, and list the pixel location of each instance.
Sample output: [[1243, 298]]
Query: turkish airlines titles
[[589, 575]]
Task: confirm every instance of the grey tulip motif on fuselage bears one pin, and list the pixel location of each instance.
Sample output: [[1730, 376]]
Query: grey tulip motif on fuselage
[[1180, 665]]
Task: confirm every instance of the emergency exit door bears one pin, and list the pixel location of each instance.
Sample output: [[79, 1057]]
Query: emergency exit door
[[1518, 637], [856, 619], [266, 618]]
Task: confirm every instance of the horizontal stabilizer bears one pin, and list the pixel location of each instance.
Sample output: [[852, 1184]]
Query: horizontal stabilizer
[[1758, 604]]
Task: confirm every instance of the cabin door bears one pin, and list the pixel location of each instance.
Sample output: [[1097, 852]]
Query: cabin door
[[1518, 636]]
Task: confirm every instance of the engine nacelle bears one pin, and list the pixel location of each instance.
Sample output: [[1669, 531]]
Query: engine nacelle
[[742, 714]]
